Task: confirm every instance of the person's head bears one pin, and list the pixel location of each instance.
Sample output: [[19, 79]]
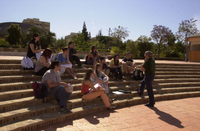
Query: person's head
[[88, 74], [36, 37], [116, 59], [103, 59], [148, 54], [128, 55], [98, 68], [47, 53], [71, 44], [65, 49], [55, 65], [94, 49]]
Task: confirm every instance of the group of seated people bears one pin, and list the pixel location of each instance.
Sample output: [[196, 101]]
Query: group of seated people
[[95, 81]]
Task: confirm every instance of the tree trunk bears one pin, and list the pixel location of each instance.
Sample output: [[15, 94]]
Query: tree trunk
[[158, 51]]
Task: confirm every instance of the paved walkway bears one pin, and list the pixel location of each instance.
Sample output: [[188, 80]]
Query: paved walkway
[[172, 115]]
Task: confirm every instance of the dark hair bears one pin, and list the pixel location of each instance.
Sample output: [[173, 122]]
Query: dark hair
[[128, 53], [87, 74], [33, 38], [55, 63], [102, 58], [94, 53], [64, 49], [47, 53], [116, 63], [96, 69], [70, 43]]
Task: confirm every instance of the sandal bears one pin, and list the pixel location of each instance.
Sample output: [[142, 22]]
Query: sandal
[[75, 78], [111, 100], [111, 107]]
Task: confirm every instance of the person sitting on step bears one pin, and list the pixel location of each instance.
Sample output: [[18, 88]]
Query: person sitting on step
[[116, 68], [105, 67], [128, 64], [92, 56], [100, 77], [56, 88], [90, 92], [65, 63], [72, 54], [43, 64]]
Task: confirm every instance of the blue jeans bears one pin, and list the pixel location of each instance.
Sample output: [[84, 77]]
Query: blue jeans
[[60, 93], [148, 79]]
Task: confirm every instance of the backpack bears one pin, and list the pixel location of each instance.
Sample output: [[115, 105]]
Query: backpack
[[40, 90], [138, 74], [27, 63]]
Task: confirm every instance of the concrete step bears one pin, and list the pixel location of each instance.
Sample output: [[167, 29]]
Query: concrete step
[[8, 72], [21, 78], [41, 120], [30, 101]]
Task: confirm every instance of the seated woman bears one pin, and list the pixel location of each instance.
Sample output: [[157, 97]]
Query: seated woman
[[43, 64], [105, 67], [100, 77], [88, 95], [116, 68], [65, 63], [34, 46], [92, 56]]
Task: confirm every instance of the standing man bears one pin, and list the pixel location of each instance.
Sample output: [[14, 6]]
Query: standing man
[[57, 88], [149, 68], [72, 54]]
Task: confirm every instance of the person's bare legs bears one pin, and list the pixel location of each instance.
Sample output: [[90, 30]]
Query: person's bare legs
[[69, 72], [125, 68], [93, 95]]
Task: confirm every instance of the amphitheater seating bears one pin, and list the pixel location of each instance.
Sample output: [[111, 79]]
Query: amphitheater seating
[[20, 111]]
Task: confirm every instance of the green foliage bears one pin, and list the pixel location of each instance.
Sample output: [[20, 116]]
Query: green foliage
[[3, 43], [31, 31], [80, 41], [114, 50], [131, 46], [59, 43], [14, 35], [47, 39]]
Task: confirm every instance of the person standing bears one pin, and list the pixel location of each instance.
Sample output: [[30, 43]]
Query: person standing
[[149, 68], [72, 54], [57, 88]]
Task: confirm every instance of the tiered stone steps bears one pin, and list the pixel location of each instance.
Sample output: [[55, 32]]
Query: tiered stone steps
[[21, 112]]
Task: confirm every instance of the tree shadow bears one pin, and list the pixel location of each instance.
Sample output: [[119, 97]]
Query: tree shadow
[[168, 118]]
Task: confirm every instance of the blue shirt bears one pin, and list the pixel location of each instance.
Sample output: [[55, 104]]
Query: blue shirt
[[61, 59]]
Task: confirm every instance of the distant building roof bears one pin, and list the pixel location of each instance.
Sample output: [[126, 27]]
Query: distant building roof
[[24, 28], [196, 35]]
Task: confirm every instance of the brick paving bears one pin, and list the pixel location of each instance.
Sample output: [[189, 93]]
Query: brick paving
[[173, 115]]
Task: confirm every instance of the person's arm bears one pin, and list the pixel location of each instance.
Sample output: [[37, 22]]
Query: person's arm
[[33, 50], [143, 67], [90, 84], [68, 62], [123, 61], [45, 62], [97, 79], [51, 85], [103, 74]]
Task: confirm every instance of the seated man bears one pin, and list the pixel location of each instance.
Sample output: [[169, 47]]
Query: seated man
[[72, 54], [57, 88], [105, 67], [128, 64]]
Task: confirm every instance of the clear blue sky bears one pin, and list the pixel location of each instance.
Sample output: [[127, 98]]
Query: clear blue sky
[[66, 16]]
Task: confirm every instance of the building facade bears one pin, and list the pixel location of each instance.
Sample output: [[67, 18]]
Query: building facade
[[194, 47], [36, 22]]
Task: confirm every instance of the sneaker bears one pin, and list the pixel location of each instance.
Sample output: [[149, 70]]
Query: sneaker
[[64, 109]]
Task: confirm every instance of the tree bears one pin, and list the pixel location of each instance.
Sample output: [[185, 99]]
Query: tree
[[131, 46], [47, 39], [30, 32], [14, 35], [144, 44], [160, 34], [99, 33], [84, 32], [119, 34], [58, 44], [187, 28]]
